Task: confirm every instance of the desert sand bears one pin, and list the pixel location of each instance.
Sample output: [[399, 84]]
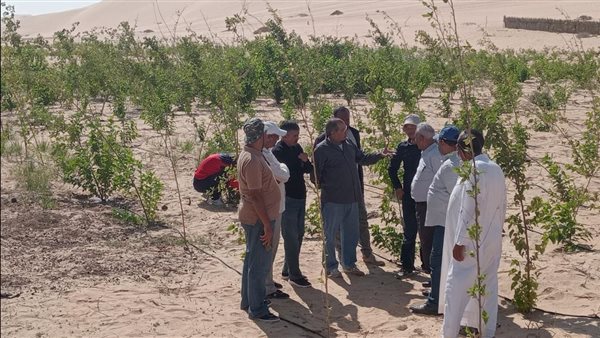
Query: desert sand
[[167, 18], [77, 271]]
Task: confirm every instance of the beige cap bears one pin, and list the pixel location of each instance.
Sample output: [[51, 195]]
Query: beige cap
[[272, 128]]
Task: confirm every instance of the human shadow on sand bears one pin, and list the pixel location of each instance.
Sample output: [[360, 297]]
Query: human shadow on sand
[[543, 324], [310, 318], [216, 208], [380, 289]]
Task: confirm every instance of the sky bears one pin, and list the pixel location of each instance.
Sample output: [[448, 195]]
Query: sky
[[35, 7]]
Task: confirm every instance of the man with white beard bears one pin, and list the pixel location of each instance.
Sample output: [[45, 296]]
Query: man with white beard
[[491, 208], [437, 206]]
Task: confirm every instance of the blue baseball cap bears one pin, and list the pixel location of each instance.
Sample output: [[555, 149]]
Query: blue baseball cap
[[448, 133]]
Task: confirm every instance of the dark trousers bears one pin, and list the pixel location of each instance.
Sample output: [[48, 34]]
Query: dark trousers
[[292, 231], [435, 262], [425, 236], [209, 184], [407, 254]]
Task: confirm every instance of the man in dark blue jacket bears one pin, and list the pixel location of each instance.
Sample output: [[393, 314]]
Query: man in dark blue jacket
[[408, 155]]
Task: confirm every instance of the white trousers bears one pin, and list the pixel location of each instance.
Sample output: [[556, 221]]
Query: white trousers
[[462, 276]]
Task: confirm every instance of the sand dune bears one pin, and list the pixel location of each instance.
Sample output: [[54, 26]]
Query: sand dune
[[163, 18]]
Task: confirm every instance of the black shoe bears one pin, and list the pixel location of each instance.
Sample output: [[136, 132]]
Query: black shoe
[[425, 293], [425, 309], [285, 276], [269, 317], [300, 282], [278, 295], [277, 285], [426, 284]]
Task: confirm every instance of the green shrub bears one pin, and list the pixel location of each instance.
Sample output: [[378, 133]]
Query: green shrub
[[313, 217], [388, 238], [127, 216]]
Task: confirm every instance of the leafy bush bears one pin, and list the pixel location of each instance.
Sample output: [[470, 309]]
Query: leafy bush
[[313, 217], [388, 238], [544, 100], [127, 216], [99, 164], [103, 165], [150, 191]]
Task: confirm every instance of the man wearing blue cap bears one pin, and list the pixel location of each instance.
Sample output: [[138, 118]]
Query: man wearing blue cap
[[438, 196]]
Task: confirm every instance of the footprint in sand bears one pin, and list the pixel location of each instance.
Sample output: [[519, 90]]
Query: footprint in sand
[[588, 295], [186, 311], [551, 293]]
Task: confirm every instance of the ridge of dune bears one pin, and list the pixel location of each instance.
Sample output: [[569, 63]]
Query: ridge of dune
[[204, 17]]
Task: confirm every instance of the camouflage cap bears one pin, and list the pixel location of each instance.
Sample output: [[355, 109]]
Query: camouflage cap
[[254, 129]]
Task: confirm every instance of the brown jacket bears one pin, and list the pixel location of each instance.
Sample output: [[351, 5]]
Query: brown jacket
[[254, 173]]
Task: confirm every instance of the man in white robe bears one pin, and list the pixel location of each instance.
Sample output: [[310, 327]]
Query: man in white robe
[[491, 204], [470, 315]]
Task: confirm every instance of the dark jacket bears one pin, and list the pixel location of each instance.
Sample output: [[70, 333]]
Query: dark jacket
[[336, 171], [408, 154], [356, 134], [295, 186]]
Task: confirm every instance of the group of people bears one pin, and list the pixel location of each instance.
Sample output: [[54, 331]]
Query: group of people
[[436, 204], [441, 208]]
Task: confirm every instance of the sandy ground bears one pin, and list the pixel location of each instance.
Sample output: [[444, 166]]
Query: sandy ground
[[78, 271], [321, 17]]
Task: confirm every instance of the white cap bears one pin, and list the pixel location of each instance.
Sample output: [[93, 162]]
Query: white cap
[[272, 128], [412, 119]]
